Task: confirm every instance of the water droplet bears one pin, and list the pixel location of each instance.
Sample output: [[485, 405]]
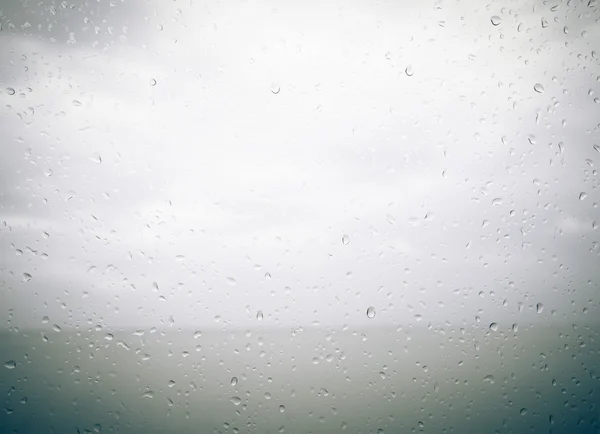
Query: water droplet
[[493, 326], [56, 328], [152, 82], [523, 412], [233, 381], [231, 281], [10, 91], [582, 195], [596, 148], [148, 394], [11, 364], [489, 379], [495, 20], [382, 375], [259, 315], [409, 71], [45, 320], [345, 239], [515, 327], [281, 409], [26, 277], [235, 400], [371, 312], [538, 88], [275, 89], [539, 307]]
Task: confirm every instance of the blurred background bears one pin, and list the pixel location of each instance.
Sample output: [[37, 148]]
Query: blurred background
[[299, 217]]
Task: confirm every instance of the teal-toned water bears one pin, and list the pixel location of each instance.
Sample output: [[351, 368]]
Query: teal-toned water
[[537, 379]]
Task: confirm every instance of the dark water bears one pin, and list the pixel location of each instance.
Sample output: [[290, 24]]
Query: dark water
[[537, 379]]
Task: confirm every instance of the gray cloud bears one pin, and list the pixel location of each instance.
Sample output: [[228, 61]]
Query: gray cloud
[[157, 151]]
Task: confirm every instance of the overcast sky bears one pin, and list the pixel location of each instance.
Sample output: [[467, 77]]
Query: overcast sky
[[193, 163]]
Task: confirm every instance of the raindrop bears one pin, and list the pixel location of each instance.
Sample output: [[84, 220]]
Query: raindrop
[[515, 327], [582, 195], [26, 277], [382, 375], [489, 379], [45, 320], [11, 364], [523, 412], [235, 400], [496, 20], [539, 307], [259, 315], [281, 409], [275, 89], [538, 88], [148, 394], [345, 239], [371, 312], [10, 91], [231, 281], [152, 82], [233, 381], [56, 328], [494, 326], [409, 71]]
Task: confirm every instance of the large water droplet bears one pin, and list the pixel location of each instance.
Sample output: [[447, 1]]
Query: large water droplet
[[538, 88], [235, 400], [582, 195], [10, 91], [371, 312], [496, 20], [11, 364], [233, 381]]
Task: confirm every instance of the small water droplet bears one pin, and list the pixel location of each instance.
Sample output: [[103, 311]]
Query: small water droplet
[[538, 88], [26, 277], [148, 394], [371, 312], [523, 412], [233, 381], [582, 195], [489, 379], [495, 20], [275, 89], [345, 239], [539, 308], [259, 315], [231, 281], [281, 409], [596, 148], [382, 375], [56, 328], [515, 327], [11, 364], [409, 71], [10, 91], [152, 82], [235, 400], [494, 327]]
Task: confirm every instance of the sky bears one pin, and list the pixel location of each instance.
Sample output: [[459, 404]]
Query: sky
[[189, 164]]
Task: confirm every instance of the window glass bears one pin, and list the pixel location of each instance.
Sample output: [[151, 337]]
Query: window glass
[[257, 216]]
